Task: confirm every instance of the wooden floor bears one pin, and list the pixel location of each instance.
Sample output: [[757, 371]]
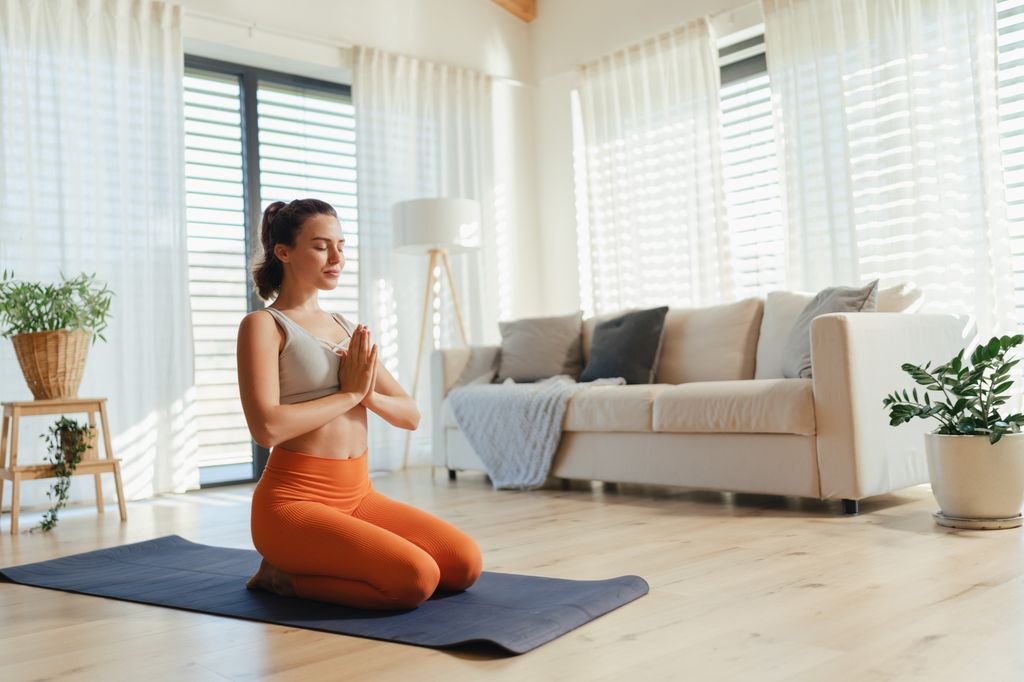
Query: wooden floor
[[742, 587]]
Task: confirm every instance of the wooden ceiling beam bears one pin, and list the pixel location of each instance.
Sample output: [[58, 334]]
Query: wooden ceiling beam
[[524, 9]]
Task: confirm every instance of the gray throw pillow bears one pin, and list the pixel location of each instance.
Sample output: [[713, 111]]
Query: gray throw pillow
[[796, 356], [537, 348]]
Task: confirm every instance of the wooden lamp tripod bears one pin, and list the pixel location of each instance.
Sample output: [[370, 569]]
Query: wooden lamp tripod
[[437, 227]]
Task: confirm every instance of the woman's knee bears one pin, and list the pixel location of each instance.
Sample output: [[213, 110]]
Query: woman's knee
[[414, 585], [464, 567]]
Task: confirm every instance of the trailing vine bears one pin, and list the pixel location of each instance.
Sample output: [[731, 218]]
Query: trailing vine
[[66, 441]]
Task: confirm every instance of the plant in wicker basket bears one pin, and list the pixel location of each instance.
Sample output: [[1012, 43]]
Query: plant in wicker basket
[[66, 441], [50, 326]]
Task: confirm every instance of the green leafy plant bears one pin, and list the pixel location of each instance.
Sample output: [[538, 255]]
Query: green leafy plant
[[969, 394], [66, 441], [79, 303]]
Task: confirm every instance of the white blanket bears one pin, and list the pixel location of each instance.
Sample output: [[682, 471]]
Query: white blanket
[[515, 428]]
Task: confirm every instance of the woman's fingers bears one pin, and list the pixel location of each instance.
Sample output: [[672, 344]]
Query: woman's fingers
[[353, 343]]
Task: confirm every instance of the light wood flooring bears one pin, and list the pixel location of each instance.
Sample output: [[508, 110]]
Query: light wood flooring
[[742, 587]]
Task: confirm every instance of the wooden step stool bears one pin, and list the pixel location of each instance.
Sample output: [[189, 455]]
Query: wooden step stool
[[90, 462]]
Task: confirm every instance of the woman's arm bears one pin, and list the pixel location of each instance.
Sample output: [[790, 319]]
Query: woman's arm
[[387, 398], [269, 421]]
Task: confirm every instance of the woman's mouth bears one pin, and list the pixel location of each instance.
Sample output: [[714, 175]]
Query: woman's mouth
[[332, 273]]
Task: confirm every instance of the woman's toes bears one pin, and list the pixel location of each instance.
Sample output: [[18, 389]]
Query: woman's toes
[[259, 579]]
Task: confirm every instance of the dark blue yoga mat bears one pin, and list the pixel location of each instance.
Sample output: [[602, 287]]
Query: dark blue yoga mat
[[514, 612]]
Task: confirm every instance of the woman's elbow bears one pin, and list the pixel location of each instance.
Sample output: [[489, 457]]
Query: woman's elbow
[[263, 439], [414, 417], [264, 435]]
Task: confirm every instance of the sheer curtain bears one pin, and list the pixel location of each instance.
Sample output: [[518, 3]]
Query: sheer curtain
[[422, 130], [886, 113], [652, 210], [91, 179]]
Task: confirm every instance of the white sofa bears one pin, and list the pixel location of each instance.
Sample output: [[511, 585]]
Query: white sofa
[[719, 416]]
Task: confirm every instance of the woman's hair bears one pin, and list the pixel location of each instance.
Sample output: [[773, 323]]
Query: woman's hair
[[281, 223]]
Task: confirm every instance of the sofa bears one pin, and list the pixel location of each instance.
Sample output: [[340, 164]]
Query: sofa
[[720, 414]]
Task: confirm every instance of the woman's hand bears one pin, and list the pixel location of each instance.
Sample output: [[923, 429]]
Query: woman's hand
[[357, 371]]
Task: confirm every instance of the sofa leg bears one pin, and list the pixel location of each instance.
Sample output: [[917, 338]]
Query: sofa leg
[[565, 483], [451, 474], [851, 506]]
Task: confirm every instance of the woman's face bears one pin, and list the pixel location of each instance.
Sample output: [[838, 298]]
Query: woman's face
[[318, 255]]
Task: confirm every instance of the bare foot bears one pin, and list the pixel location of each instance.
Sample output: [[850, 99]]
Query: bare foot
[[272, 579]]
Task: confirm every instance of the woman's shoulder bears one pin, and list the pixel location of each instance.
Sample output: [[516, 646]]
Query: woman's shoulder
[[257, 318], [261, 323]]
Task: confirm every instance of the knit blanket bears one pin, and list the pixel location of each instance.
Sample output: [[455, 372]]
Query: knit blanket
[[515, 428]]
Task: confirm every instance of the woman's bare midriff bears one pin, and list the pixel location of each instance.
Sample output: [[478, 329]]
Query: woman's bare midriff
[[343, 438]]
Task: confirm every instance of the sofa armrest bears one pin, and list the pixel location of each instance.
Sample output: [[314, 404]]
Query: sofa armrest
[[447, 366], [855, 363]]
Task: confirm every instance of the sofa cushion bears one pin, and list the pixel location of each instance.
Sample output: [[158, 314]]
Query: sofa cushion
[[716, 343], [752, 406], [540, 347], [781, 308], [627, 346], [612, 408]]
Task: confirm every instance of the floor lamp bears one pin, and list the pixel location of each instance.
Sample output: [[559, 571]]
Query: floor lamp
[[435, 227]]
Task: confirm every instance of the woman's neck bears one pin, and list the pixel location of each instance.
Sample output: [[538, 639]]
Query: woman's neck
[[305, 303]]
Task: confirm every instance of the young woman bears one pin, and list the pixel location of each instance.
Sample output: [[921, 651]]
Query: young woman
[[306, 380]]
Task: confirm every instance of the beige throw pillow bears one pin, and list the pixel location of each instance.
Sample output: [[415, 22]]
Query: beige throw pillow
[[537, 348]]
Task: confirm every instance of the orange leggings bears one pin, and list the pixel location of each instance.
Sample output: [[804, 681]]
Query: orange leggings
[[319, 519]]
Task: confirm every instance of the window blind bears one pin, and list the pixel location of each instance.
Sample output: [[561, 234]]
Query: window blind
[[307, 150], [752, 193], [218, 278], [1010, 26]]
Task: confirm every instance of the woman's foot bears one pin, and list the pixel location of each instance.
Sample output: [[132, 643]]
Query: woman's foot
[[271, 579]]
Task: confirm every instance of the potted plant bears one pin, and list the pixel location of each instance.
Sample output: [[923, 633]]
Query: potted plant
[[976, 456], [66, 441], [50, 326]]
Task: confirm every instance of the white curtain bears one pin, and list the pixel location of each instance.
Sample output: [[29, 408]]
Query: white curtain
[[422, 130], [652, 210], [91, 180], [886, 114]]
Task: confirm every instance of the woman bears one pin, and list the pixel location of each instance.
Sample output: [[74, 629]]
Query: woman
[[323, 531]]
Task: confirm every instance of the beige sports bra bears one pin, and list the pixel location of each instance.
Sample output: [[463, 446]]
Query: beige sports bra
[[307, 368]]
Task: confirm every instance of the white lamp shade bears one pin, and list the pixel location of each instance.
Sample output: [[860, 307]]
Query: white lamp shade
[[436, 223]]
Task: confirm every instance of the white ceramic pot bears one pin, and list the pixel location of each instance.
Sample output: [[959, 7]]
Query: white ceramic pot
[[974, 479]]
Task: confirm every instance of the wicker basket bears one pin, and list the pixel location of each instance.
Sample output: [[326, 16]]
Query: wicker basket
[[52, 361]]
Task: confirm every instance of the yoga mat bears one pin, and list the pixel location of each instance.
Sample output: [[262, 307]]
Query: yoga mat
[[515, 612]]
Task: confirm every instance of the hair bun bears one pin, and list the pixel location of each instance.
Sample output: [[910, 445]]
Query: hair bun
[[273, 208]]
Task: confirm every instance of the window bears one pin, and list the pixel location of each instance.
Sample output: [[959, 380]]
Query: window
[[253, 137], [751, 170], [1010, 27]]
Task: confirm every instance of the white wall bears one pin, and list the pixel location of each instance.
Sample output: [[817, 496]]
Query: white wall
[[567, 33], [313, 37]]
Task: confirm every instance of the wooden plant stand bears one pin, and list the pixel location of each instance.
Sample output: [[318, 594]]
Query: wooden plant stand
[[90, 463]]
